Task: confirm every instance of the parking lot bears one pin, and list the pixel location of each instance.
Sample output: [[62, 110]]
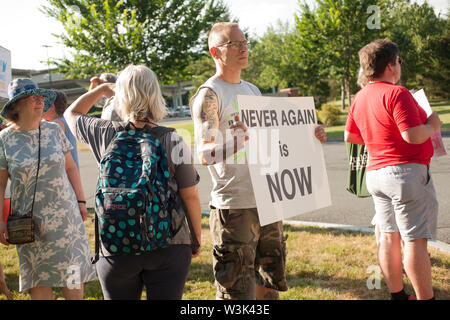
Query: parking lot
[[179, 112]]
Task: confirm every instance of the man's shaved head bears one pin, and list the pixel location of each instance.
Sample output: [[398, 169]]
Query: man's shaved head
[[216, 34]]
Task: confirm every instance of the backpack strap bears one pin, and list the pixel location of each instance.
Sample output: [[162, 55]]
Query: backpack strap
[[97, 241], [195, 244], [159, 132], [119, 126]]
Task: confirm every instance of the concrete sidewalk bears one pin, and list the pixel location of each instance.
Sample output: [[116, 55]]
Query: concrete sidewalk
[[346, 209]]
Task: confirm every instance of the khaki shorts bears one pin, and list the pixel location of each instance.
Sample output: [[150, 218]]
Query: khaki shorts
[[246, 254], [405, 200]]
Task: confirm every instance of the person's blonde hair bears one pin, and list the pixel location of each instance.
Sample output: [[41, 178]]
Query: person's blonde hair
[[139, 95], [215, 34]]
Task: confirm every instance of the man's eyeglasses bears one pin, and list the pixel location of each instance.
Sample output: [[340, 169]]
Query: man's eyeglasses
[[236, 44], [400, 60]]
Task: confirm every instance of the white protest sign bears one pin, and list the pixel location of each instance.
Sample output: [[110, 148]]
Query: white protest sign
[[422, 100], [5, 71], [436, 138], [286, 161]]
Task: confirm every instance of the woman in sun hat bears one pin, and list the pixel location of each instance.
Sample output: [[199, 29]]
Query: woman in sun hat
[[24, 87], [60, 254]]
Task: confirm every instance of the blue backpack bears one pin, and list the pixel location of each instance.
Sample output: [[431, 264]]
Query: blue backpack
[[136, 210]]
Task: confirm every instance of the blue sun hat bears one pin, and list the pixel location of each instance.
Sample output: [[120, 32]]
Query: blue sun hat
[[19, 88]]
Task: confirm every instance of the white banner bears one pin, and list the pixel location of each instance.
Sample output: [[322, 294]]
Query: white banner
[[436, 138], [5, 71], [286, 161]]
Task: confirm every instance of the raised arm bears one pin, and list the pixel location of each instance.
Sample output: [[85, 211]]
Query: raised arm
[[86, 101]]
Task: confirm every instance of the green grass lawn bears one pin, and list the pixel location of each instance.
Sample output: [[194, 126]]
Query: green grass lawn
[[335, 132], [443, 109], [322, 264], [186, 130]]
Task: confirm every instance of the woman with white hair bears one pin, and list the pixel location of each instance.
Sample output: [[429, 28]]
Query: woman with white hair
[[162, 271]]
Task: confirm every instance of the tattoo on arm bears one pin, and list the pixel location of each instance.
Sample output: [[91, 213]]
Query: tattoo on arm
[[205, 111], [206, 115], [211, 146]]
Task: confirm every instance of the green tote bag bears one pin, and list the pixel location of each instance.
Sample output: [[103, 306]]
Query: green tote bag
[[358, 158]]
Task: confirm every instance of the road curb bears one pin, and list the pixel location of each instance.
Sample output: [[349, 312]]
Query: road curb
[[436, 244], [442, 246]]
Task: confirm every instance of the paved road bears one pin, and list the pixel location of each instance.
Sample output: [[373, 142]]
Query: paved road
[[348, 209], [168, 121], [345, 209]]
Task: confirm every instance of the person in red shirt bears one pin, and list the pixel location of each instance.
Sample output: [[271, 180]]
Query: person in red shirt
[[386, 118]]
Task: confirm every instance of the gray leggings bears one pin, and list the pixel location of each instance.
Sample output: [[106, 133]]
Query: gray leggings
[[163, 272]]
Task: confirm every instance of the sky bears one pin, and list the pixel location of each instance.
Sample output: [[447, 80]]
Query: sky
[[25, 30]]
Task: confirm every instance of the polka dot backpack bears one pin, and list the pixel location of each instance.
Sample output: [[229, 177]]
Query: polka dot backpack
[[136, 209]]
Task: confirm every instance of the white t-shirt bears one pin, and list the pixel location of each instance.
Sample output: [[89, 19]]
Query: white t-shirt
[[232, 186]]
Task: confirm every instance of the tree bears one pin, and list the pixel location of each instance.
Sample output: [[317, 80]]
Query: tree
[[333, 31], [437, 73], [331, 34], [107, 35], [267, 59], [201, 69], [275, 61], [423, 39]]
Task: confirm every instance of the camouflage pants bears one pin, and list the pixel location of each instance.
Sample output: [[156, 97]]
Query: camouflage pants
[[246, 254]]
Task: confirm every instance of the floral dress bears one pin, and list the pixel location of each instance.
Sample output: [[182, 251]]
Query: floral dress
[[60, 255]]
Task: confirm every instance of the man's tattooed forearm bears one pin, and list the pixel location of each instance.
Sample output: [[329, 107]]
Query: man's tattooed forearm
[[209, 116]]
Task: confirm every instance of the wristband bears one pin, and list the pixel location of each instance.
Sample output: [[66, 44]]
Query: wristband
[[82, 201]]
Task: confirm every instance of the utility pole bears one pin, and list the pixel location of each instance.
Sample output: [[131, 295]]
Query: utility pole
[[48, 65]]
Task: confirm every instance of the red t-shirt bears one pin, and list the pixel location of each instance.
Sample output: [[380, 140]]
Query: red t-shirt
[[379, 113]]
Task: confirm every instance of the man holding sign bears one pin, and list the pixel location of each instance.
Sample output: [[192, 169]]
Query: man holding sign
[[249, 260], [386, 118]]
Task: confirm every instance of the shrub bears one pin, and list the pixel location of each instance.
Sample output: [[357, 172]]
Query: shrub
[[329, 115]]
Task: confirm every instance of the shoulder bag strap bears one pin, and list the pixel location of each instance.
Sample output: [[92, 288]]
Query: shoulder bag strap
[[37, 171], [37, 174]]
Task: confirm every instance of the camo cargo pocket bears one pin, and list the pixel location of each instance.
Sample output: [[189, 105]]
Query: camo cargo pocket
[[234, 271]]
